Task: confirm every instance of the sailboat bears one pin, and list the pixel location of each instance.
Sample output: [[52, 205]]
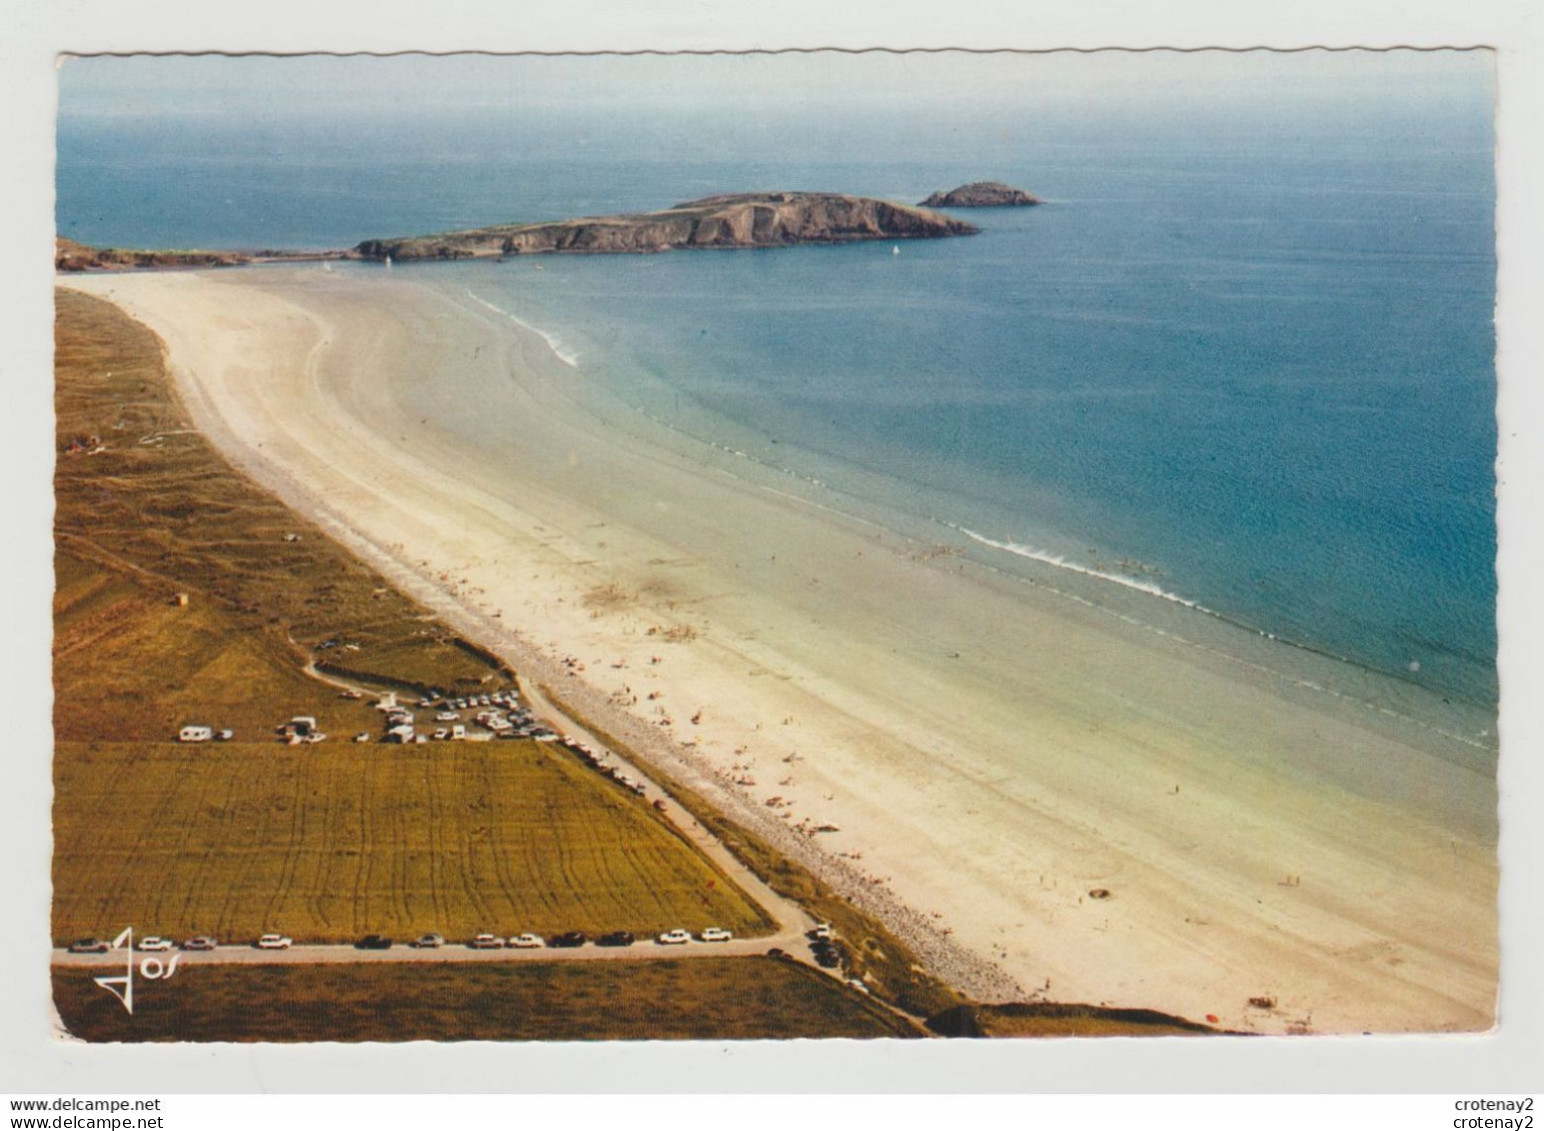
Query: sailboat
[[895, 249]]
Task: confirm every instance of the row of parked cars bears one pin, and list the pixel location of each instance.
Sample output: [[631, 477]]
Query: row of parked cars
[[675, 937], [155, 942]]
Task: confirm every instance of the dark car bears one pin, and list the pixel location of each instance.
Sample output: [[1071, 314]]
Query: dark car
[[374, 942], [89, 946], [569, 938], [826, 953], [616, 938]]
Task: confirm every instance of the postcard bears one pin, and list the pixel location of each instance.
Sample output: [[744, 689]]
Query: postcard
[[796, 545]]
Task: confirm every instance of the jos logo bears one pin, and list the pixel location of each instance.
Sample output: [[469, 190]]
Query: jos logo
[[151, 969]]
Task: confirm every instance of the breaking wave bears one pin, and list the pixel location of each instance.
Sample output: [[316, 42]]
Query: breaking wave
[[1050, 559], [564, 354]]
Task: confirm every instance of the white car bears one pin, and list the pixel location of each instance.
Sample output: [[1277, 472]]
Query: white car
[[428, 942], [527, 941], [677, 937], [155, 943], [822, 931], [716, 934], [275, 942], [486, 942], [446, 717]]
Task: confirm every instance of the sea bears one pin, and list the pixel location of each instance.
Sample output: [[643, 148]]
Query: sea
[[1240, 362]]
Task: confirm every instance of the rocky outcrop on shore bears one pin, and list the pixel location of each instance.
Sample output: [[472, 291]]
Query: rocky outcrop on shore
[[980, 194], [72, 256], [733, 220]]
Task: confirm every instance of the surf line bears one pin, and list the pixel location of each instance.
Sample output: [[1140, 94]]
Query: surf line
[[1152, 590], [562, 353]]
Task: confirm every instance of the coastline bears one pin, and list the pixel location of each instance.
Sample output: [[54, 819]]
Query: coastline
[[990, 781]]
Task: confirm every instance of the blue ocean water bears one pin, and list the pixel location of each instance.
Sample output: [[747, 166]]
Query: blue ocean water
[[1243, 355]]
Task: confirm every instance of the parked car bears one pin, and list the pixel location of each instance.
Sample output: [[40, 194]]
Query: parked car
[[616, 938], [527, 941], [275, 942], [441, 734], [827, 956], [89, 946], [569, 938], [447, 717], [155, 942], [224, 735], [374, 942], [822, 932], [676, 937], [716, 934], [428, 942], [200, 942], [486, 942]]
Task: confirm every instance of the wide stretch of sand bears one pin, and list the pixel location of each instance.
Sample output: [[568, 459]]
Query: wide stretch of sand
[[990, 750]]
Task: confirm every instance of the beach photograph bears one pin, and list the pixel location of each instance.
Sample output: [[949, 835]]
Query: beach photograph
[[881, 545]]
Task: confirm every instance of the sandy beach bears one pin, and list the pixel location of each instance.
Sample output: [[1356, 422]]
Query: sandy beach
[[1052, 798]]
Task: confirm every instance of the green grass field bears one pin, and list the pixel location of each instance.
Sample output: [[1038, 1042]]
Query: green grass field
[[706, 998]]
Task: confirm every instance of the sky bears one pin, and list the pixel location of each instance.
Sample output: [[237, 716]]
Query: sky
[[106, 87]]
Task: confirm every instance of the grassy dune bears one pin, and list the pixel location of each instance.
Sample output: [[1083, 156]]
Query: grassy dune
[[158, 512], [323, 842], [718, 999]]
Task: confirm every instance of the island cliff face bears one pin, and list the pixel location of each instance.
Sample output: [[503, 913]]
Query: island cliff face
[[733, 220], [980, 194]]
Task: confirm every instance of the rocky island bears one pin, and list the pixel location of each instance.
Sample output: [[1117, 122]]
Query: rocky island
[[731, 220], [980, 194]]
